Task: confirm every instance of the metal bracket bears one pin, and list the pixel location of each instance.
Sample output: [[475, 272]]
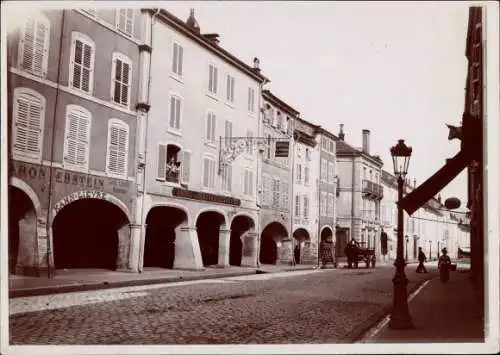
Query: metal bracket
[[231, 147]]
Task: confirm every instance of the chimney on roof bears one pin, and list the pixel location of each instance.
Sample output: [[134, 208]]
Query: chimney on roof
[[366, 141], [212, 37], [341, 132], [192, 23], [256, 64]]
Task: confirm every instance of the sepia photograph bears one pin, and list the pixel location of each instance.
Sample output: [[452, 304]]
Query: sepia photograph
[[249, 177]]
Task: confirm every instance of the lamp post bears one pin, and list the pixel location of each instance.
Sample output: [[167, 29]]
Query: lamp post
[[406, 251], [430, 249], [400, 316]]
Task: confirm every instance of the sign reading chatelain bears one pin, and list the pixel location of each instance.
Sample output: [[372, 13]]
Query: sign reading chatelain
[[196, 195], [80, 195]]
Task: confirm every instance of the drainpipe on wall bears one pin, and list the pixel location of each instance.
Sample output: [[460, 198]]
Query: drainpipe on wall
[[292, 182], [140, 200], [319, 201], [48, 224]]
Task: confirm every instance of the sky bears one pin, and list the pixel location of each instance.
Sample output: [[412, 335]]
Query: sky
[[397, 69]]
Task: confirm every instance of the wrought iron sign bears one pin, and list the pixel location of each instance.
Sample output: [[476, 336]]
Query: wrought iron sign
[[231, 147]]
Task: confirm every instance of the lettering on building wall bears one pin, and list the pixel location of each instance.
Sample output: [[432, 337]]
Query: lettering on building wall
[[80, 195], [203, 196]]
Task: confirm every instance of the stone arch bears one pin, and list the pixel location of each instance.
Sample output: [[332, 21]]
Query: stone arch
[[163, 227], [89, 194], [25, 227], [210, 226], [172, 205], [241, 225], [90, 229], [21, 185], [301, 236], [272, 242], [326, 232]]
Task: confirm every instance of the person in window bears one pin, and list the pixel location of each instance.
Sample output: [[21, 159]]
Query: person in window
[[172, 169], [421, 259]]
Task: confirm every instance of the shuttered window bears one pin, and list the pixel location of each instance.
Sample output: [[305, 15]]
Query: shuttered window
[[161, 168], [297, 206], [175, 112], [185, 166], [322, 205], [230, 88], [227, 176], [209, 172], [306, 175], [34, 45], [324, 169], [276, 193], [249, 148], [177, 58], [82, 62], [306, 206], [28, 124], [210, 127], [125, 21], [228, 132], [251, 100], [284, 195], [117, 152], [212, 79], [248, 182], [331, 173], [121, 77], [77, 137]]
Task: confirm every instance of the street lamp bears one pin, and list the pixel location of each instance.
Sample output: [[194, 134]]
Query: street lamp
[[430, 249], [400, 316]]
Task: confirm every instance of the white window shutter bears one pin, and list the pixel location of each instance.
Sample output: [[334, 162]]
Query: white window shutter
[[28, 44], [185, 166], [206, 172], [40, 48], [180, 59], [117, 148], [175, 56], [28, 125], [87, 68], [77, 137], [126, 69], [212, 173], [162, 162]]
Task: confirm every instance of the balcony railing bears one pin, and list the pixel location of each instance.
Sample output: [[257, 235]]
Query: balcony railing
[[373, 190]]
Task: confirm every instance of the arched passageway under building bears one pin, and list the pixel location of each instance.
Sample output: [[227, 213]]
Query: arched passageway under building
[[208, 227], [162, 223], [86, 234], [327, 235], [301, 237], [271, 235], [239, 227], [22, 228]]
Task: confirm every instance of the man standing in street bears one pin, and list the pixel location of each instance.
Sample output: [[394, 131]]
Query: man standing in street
[[421, 259]]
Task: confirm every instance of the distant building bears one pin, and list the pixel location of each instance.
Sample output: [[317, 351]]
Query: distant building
[[305, 194], [72, 92], [275, 183], [360, 192]]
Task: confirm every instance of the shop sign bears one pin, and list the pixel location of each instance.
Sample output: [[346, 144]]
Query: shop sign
[[79, 195], [203, 196]]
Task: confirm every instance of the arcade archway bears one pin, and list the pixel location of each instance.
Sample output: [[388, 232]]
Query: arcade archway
[[208, 226], [272, 234], [327, 235], [301, 236], [86, 234], [239, 227], [159, 245], [22, 228]]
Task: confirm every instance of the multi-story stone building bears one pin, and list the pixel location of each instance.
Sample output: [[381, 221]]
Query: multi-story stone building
[[198, 206], [360, 192], [275, 180], [305, 191], [327, 186], [72, 94]]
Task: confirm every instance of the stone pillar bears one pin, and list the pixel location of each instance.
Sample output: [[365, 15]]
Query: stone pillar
[[224, 239], [27, 257], [187, 249], [129, 248], [249, 252], [285, 252]]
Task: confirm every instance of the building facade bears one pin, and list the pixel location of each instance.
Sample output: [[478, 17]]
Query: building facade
[[360, 193], [327, 186], [305, 193], [199, 205], [275, 180], [72, 94]]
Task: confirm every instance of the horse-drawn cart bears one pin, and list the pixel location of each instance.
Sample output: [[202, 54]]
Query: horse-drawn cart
[[356, 254]]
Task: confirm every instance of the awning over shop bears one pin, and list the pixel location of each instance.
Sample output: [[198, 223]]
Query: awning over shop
[[414, 200]]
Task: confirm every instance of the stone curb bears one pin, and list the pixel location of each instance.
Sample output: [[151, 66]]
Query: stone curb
[[49, 290], [357, 333]]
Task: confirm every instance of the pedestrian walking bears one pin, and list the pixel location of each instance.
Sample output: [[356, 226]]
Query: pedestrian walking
[[444, 264], [421, 259]]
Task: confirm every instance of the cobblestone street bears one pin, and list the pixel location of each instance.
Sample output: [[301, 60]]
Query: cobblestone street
[[293, 307]]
